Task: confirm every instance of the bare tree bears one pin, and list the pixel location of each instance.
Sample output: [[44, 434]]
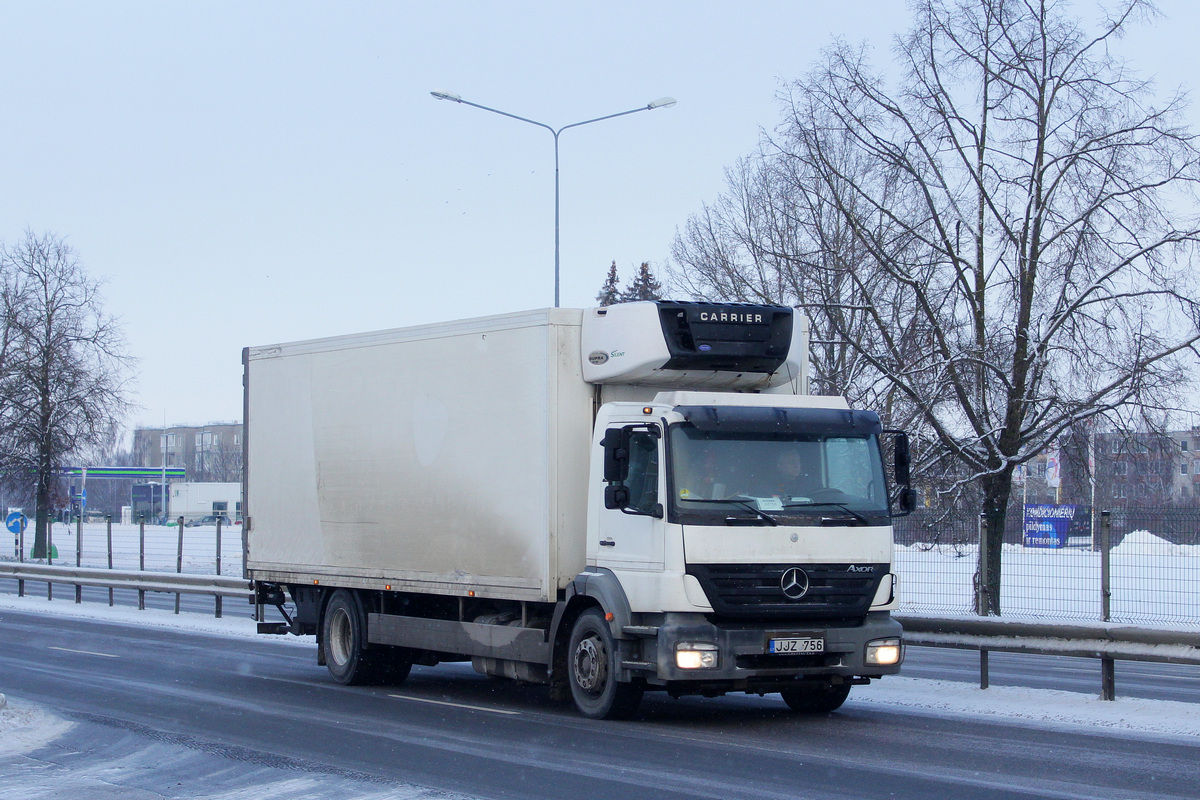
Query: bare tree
[[1013, 226], [65, 369], [773, 237], [220, 462]]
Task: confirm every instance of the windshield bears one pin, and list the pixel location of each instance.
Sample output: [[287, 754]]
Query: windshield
[[725, 477]]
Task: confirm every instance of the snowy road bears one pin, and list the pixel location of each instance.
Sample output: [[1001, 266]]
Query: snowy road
[[210, 711], [1151, 681]]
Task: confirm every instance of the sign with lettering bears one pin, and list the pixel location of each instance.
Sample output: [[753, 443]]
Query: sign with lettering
[[733, 316], [1047, 525]]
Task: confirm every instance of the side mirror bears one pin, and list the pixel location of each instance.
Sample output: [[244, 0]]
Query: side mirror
[[616, 496], [903, 460], [616, 456], [904, 501]]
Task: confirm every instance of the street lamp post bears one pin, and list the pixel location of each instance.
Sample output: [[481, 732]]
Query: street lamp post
[[662, 102]]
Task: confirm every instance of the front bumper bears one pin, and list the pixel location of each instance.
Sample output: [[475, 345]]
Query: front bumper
[[743, 658]]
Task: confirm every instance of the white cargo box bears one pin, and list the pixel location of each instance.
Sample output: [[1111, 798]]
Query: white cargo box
[[440, 458]]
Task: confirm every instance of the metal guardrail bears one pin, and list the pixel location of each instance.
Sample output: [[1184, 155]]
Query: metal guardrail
[[142, 581], [1106, 641]]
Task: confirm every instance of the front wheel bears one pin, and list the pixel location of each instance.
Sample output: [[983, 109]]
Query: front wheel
[[821, 700], [592, 671]]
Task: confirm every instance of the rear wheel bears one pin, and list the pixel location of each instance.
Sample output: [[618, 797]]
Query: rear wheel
[[350, 660], [821, 700], [592, 671]]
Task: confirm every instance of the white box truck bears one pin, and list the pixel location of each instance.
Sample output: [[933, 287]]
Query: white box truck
[[203, 503], [608, 501]]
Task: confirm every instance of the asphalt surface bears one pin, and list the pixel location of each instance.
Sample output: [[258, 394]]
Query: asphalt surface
[[1145, 680], [163, 713]]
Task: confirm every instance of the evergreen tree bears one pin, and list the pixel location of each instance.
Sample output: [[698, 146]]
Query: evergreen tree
[[644, 286], [610, 292]]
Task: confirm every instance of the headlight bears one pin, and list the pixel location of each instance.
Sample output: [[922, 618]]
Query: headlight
[[693, 655], [883, 652]]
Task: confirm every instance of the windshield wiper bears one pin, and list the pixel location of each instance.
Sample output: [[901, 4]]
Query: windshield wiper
[[749, 507], [859, 518]]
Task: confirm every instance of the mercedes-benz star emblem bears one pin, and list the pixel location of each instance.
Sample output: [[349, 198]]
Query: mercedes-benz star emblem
[[794, 583]]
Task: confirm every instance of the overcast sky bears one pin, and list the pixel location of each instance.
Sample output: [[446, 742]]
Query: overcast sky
[[249, 173]]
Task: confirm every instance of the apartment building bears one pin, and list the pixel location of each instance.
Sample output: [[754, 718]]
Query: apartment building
[[209, 453]]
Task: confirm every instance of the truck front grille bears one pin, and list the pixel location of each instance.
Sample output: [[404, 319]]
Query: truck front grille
[[831, 591]]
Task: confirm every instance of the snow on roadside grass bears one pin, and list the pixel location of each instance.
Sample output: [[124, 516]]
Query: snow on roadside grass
[[1153, 580], [1040, 707], [1036, 707], [158, 546], [238, 624]]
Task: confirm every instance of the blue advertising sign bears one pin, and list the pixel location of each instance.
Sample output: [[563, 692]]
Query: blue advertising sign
[[1047, 525]]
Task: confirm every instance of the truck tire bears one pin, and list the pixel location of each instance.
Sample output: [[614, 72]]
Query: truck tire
[[344, 640], [592, 671], [816, 701]]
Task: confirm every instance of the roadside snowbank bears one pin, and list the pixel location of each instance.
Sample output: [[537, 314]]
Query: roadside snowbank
[[1145, 543], [1039, 707], [238, 624], [25, 727]]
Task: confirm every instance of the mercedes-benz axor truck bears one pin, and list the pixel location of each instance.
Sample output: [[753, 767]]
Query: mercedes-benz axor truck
[[610, 501]]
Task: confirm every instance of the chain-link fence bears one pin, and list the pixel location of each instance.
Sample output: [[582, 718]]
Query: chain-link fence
[[156, 548], [1153, 566]]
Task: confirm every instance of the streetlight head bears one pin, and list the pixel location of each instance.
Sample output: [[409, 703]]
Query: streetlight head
[[441, 95], [662, 102]]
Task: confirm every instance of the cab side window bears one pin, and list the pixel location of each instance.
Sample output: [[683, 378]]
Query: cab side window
[[643, 473]]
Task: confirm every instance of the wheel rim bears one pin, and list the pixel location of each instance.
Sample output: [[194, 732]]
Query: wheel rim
[[591, 665], [339, 636]]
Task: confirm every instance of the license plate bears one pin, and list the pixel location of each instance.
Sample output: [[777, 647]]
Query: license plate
[[805, 645]]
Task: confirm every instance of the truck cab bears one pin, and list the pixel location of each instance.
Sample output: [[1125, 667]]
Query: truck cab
[[751, 535], [745, 525]]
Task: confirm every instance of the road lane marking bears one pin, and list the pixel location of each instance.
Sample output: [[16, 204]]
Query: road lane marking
[[83, 652], [455, 705]]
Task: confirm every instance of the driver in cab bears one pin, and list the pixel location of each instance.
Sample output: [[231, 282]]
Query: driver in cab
[[791, 479]]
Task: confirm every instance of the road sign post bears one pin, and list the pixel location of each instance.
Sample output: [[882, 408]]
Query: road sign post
[[16, 522]]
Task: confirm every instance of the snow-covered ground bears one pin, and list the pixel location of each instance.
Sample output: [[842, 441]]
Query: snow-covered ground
[[159, 549], [23, 727], [1153, 581]]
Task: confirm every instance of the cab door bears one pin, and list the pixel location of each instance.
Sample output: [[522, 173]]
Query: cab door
[[630, 522]]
